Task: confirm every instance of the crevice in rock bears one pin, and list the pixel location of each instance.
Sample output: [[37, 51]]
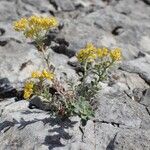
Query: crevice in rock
[[51, 12], [8, 91], [3, 42], [52, 2], [1, 113], [128, 95], [146, 2], [140, 75], [147, 110], [117, 30], [62, 47], [25, 64], [111, 145], [115, 124], [15, 40], [17, 8], [28, 3], [2, 31]]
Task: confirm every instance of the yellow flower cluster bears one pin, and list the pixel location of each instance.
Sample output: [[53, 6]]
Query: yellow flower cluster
[[87, 54], [28, 90], [102, 52], [43, 22], [21, 24], [35, 25], [43, 75], [116, 54], [91, 53]]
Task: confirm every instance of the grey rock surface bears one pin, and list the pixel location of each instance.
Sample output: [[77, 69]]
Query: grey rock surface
[[146, 98], [140, 66], [122, 119], [120, 123]]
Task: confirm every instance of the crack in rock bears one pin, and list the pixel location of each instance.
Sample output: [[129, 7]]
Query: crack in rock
[[147, 110], [115, 124], [111, 145]]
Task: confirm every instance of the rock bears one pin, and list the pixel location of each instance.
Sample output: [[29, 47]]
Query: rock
[[139, 66], [102, 26], [127, 81], [7, 11], [123, 115], [26, 8], [62, 47], [117, 30], [2, 31], [6, 89], [3, 43], [20, 127], [25, 128], [26, 59], [40, 103], [131, 139], [137, 94], [73, 35], [146, 98], [112, 137], [73, 62], [65, 5], [146, 2], [122, 111], [145, 43], [61, 67]]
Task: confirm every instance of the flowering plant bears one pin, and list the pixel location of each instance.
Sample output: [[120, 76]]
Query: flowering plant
[[94, 62], [78, 98], [35, 85], [36, 28], [97, 60]]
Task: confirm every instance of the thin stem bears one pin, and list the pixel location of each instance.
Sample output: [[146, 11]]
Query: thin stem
[[40, 44], [85, 71], [46, 59]]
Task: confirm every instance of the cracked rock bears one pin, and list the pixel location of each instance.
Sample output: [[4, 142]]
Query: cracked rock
[[146, 98]]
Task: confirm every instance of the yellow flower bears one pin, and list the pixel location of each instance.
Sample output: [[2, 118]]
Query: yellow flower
[[27, 94], [90, 46], [36, 74], [99, 53], [43, 22], [34, 20], [115, 54], [35, 26], [28, 90], [102, 52], [29, 85], [87, 54], [105, 51], [47, 75], [30, 33], [48, 22], [44, 74], [21, 24]]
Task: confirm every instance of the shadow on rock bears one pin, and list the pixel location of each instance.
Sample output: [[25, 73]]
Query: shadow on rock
[[56, 133], [8, 91], [60, 134], [111, 145]]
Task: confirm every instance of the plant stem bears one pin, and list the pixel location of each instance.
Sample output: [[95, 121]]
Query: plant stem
[[46, 59], [85, 72], [40, 44]]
